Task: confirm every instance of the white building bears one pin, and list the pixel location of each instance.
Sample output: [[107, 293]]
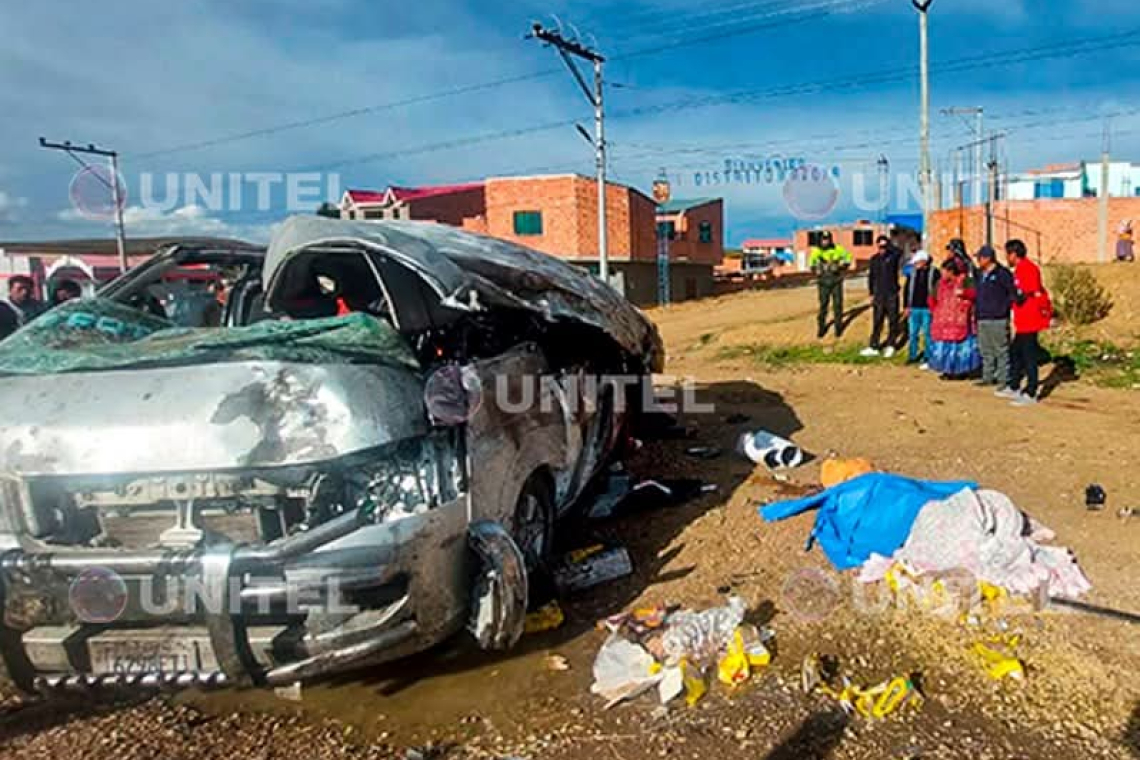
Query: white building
[[1075, 180]]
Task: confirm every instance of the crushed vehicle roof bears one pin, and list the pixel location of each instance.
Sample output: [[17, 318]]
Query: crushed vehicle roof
[[100, 334], [473, 271]]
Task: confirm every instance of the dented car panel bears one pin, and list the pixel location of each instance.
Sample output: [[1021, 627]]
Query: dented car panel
[[268, 503], [248, 414]]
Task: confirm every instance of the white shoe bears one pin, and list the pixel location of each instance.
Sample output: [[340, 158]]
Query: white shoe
[[924, 367], [1007, 393], [1024, 399], [869, 352], [889, 352]]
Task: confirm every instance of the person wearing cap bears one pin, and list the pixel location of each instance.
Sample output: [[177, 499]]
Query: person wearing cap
[[830, 263], [921, 285], [1032, 315], [995, 299]]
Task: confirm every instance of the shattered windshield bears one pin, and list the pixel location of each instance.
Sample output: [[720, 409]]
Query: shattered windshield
[[100, 334]]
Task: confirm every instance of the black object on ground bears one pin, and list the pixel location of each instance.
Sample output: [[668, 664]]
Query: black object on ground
[[660, 426], [622, 497], [1095, 497], [1092, 609]]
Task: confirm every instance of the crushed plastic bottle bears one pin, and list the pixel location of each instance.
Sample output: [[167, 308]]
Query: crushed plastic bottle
[[702, 637]]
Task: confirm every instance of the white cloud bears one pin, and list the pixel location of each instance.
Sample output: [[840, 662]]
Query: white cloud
[[10, 207], [187, 221]]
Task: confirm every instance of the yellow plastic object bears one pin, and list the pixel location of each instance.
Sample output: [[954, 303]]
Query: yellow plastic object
[[836, 471], [579, 555], [745, 652], [999, 658], [545, 618], [694, 680]]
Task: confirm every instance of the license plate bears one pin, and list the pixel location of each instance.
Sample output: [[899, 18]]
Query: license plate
[[127, 657]]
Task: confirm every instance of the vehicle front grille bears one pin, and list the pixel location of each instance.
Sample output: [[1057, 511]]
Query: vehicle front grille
[[144, 529]]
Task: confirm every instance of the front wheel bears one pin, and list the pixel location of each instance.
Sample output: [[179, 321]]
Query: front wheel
[[533, 524]]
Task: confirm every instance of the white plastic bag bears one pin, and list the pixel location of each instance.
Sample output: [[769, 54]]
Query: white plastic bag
[[623, 670]]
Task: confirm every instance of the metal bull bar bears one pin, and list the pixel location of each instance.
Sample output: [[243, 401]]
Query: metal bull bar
[[215, 566]]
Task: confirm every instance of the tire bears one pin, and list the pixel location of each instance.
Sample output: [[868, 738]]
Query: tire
[[533, 522]]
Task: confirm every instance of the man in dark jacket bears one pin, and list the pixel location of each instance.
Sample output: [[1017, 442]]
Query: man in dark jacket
[[886, 265], [996, 293]]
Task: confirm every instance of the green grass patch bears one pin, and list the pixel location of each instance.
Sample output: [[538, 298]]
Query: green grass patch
[[1102, 362]]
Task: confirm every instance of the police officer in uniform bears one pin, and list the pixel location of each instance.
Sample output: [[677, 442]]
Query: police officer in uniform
[[830, 263]]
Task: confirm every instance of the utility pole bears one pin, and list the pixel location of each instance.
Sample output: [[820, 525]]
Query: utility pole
[[884, 187], [568, 50], [979, 132], [1102, 211], [73, 150], [958, 203], [923, 8], [992, 190]]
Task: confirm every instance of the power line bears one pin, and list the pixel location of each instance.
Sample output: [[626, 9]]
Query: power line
[[687, 41], [988, 60]]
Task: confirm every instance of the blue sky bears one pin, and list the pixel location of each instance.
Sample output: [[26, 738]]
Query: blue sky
[[144, 77]]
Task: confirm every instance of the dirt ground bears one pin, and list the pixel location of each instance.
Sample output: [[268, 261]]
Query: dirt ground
[[1080, 698]]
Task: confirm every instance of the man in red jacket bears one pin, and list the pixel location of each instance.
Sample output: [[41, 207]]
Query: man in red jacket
[[1032, 314]]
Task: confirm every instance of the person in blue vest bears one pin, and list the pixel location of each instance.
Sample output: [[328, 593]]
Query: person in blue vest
[[830, 263]]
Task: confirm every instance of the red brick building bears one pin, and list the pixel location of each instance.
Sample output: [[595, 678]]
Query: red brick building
[[558, 214], [694, 229], [1056, 230]]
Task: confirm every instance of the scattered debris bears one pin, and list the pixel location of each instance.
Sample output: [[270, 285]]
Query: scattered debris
[[836, 471], [586, 568], [623, 670], [703, 452], [1095, 497], [622, 497], [545, 618], [999, 654], [872, 514], [984, 533], [822, 676], [556, 663], [290, 693], [770, 450], [678, 651]]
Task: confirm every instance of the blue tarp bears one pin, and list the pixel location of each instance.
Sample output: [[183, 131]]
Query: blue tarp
[[869, 514]]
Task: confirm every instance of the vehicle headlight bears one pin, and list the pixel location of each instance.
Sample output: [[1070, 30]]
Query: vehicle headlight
[[408, 478]]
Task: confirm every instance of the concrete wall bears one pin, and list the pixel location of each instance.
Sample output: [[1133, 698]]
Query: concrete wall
[[1056, 231], [686, 281]]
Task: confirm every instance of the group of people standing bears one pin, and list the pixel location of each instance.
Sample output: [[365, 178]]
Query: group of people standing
[[964, 318], [22, 306]]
